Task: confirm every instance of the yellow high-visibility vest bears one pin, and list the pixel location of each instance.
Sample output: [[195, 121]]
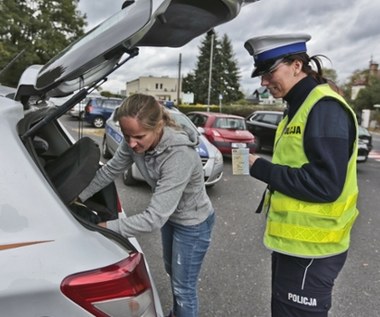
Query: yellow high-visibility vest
[[302, 228]]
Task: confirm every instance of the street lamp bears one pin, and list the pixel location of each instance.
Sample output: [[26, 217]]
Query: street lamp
[[179, 78], [212, 33]]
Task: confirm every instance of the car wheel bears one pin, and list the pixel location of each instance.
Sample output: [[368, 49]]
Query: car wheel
[[98, 122], [105, 151], [128, 178]]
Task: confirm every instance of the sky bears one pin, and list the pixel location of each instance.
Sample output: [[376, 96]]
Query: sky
[[346, 31]]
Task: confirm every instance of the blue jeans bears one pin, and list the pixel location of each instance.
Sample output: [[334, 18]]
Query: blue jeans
[[184, 248]]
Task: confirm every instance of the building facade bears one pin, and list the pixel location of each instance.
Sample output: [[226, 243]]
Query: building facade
[[362, 81], [262, 96], [162, 88]]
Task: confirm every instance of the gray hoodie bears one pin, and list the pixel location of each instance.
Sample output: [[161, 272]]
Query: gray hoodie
[[173, 170]]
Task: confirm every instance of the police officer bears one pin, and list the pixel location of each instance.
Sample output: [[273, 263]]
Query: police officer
[[310, 201]]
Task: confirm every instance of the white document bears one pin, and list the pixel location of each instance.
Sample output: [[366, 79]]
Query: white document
[[240, 161]]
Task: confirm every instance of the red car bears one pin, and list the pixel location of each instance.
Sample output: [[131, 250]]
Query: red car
[[225, 131]]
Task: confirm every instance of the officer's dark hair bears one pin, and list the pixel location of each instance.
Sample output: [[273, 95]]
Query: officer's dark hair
[[306, 65]]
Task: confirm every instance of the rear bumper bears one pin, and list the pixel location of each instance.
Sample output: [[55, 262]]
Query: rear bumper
[[226, 147]]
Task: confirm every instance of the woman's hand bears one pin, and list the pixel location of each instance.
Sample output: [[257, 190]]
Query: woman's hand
[[102, 224]]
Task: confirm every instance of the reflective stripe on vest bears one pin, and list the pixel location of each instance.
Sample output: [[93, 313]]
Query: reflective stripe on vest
[[307, 234], [334, 209]]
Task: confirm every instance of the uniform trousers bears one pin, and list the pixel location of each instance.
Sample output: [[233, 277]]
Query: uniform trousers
[[302, 287]]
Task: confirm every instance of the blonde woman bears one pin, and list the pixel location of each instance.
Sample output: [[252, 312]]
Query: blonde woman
[[167, 158]]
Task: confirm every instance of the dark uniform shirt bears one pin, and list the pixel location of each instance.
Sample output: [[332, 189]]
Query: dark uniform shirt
[[328, 143]]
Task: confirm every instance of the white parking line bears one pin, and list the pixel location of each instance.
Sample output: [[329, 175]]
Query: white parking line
[[374, 155], [91, 131]]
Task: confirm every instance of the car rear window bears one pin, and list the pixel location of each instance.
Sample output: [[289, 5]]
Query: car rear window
[[230, 123], [111, 103]]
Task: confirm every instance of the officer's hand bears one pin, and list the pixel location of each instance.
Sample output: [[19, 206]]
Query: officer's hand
[[252, 159]]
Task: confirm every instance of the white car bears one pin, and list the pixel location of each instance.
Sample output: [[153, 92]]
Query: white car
[[211, 157], [54, 259]]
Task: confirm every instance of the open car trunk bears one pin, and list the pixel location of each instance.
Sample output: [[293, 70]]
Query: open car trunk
[[68, 167], [85, 65]]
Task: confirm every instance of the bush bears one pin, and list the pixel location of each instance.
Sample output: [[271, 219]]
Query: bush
[[237, 109]]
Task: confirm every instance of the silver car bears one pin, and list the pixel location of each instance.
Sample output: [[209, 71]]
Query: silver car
[[211, 157], [54, 259]]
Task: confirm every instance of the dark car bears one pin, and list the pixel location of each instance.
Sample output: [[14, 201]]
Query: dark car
[[225, 131], [263, 125], [364, 144], [99, 109]]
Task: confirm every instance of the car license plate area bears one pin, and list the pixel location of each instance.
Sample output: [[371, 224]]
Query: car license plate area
[[238, 145]]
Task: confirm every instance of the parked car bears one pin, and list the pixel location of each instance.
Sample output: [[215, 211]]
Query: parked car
[[99, 109], [54, 259], [263, 125], [364, 144], [225, 131], [78, 110], [211, 157]]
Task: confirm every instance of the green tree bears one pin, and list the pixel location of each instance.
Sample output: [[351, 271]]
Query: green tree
[[229, 86], [369, 96], [224, 75], [39, 28], [330, 73]]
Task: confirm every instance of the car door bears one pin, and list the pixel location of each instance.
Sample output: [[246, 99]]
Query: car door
[[269, 123], [264, 126]]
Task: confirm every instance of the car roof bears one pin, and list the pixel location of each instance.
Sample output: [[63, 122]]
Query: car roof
[[105, 98], [363, 130], [217, 114], [269, 111]]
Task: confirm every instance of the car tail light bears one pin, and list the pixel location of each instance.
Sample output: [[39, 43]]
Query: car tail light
[[119, 208], [121, 289], [88, 108]]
